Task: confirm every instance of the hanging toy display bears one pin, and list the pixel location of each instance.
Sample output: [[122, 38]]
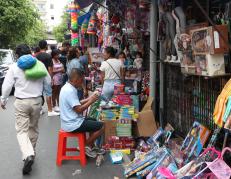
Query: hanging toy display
[[83, 32], [74, 10], [84, 26], [92, 25], [74, 38]]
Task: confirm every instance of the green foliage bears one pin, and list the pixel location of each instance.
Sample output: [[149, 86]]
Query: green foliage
[[36, 33], [62, 29], [19, 22]]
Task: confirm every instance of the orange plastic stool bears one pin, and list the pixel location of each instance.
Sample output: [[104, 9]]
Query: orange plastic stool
[[62, 148]]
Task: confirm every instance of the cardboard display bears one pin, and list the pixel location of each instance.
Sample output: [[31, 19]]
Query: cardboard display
[[110, 129], [146, 125]]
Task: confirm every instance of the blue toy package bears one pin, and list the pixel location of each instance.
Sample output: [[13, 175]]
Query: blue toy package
[[194, 141]]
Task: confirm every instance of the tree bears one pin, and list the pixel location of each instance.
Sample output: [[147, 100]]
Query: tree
[[62, 29], [18, 22], [35, 34]]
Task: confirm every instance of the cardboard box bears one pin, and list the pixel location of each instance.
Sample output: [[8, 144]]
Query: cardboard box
[[205, 65], [210, 65], [110, 129], [146, 124], [208, 40]]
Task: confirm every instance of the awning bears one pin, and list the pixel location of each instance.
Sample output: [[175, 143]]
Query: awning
[[83, 17], [84, 3]]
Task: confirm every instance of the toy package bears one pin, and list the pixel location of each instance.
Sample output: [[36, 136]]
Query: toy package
[[116, 157], [149, 158], [115, 142], [194, 141]]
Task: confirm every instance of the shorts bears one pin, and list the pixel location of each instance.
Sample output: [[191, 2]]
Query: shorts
[[47, 90], [89, 125]]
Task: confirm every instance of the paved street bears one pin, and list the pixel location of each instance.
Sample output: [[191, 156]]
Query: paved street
[[44, 167]]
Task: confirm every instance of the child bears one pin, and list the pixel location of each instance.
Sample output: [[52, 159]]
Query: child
[[57, 79], [138, 61], [128, 63], [122, 57]]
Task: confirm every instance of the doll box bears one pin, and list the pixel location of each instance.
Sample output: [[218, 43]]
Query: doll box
[[209, 40]]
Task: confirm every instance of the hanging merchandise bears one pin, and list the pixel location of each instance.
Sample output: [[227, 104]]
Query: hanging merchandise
[[84, 26], [83, 31], [130, 19], [74, 18], [101, 22], [74, 10], [92, 25], [74, 38]]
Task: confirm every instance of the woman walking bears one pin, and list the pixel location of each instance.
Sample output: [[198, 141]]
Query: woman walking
[[57, 80]]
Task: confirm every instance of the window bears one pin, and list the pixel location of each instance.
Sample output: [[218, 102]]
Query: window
[[51, 6], [41, 7]]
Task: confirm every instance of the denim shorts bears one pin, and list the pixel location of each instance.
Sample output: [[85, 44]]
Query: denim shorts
[[108, 88], [89, 125], [47, 90]]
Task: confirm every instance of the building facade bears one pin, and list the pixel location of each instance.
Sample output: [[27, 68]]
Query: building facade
[[50, 12]]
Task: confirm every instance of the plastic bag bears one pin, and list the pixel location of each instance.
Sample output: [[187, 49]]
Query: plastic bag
[[26, 62], [37, 71]]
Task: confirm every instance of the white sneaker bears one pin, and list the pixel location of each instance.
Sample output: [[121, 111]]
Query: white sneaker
[[56, 109], [53, 113]]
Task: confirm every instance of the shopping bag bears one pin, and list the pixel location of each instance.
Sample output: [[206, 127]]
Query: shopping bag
[[37, 71]]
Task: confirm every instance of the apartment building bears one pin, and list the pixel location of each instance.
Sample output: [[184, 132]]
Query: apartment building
[[50, 11]]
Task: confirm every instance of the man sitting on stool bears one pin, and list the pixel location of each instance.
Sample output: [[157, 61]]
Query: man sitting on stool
[[71, 110]]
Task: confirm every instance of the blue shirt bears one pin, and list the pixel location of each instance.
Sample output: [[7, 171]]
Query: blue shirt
[[74, 63], [83, 60], [68, 99]]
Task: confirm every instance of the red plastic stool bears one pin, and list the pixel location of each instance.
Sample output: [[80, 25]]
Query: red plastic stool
[[62, 148]]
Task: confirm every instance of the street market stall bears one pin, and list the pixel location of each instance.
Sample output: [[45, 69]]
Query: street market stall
[[194, 53]]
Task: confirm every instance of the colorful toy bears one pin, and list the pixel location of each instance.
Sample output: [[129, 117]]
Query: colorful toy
[[92, 25], [194, 141], [74, 38], [74, 10], [84, 26]]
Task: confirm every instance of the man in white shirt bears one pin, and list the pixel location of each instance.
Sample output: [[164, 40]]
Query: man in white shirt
[[28, 104]]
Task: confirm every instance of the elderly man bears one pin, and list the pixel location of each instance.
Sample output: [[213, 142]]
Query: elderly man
[[71, 109], [28, 104]]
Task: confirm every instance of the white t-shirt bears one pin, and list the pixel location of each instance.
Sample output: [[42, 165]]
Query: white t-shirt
[[109, 72]]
